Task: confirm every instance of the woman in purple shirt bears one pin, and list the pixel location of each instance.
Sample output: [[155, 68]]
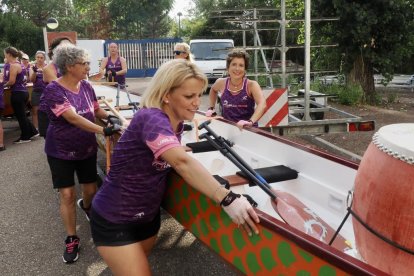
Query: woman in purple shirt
[[125, 216], [15, 78], [114, 66], [50, 73], [242, 100], [36, 77], [71, 143]]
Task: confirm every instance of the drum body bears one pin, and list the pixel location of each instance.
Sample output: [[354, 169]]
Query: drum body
[[384, 200]]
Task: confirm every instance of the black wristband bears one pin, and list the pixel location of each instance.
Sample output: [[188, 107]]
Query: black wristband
[[228, 199]]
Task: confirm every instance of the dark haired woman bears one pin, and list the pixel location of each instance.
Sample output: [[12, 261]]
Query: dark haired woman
[[14, 77], [242, 99]]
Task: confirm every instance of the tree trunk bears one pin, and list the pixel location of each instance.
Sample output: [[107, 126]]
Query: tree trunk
[[362, 73]]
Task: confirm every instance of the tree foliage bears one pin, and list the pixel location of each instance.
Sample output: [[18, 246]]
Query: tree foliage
[[140, 19], [371, 35]]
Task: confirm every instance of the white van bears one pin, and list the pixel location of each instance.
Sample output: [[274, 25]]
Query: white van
[[210, 56]]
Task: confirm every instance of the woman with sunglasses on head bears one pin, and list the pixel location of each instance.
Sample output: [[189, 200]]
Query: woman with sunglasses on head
[[242, 99], [125, 215], [15, 78], [71, 145], [50, 73], [25, 61], [182, 50], [36, 77], [113, 67]]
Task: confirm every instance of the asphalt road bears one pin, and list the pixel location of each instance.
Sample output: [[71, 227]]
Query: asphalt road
[[32, 234]]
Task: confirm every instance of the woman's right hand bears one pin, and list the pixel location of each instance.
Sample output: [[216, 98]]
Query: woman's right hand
[[241, 212], [210, 113]]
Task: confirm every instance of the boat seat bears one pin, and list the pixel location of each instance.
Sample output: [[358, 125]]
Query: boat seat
[[202, 146], [273, 174]]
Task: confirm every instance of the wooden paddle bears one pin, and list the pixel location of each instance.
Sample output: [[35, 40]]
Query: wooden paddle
[[290, 209], [108, 153], [115, 112]]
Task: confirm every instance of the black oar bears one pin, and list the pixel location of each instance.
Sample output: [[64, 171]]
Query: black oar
[[225, 151], [290, 209]]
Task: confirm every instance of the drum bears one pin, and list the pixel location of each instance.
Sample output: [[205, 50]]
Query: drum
[[384, 200]]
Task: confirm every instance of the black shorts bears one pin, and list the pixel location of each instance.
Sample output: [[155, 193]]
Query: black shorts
[[35, 99], [106, 233], [63, 171]]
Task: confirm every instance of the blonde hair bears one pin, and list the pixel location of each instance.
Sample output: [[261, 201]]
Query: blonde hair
[[185, 48], [169, 76]]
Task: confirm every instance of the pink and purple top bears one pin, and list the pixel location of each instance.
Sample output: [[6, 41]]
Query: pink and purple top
[[237, 105], [64, 140], [117, 66], [135, 185]]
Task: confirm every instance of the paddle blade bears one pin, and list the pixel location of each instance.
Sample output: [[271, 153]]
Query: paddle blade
[[301, 217]]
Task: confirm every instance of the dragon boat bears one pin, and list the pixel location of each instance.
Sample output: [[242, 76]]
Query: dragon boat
[[320, 214]]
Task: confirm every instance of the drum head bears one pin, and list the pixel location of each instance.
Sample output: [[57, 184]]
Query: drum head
[[396, 140]]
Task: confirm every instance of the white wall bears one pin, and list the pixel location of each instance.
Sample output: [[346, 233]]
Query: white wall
[[96, 52]]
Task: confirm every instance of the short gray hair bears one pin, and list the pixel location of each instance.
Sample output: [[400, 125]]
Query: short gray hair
[[67, 55]]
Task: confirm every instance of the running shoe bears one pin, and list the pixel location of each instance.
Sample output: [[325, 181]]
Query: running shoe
[[71, 253], [21, 141], [80, 205], [35, 135], [2, 148]]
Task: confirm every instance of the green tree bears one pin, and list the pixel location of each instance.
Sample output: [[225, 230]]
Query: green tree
[[140, 19], [92, 19], [20, 33], [371, 34]]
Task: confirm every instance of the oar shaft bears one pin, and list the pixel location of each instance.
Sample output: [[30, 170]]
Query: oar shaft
[[236, 162], [238, 157]]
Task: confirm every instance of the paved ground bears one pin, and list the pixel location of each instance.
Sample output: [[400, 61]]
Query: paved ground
[[32, 235]]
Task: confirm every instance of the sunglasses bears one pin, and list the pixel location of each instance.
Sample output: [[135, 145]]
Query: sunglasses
[[84, 63], [178, 53]]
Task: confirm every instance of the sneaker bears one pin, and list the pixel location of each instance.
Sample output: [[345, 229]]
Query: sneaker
[[80, 205], [2, 148], [71, 253], [21, 141], [35, 135]]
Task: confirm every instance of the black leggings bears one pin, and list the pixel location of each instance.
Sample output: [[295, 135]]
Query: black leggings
[[18, 101]]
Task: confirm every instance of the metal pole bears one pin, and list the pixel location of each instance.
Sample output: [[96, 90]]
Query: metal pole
[[179, 23], [307, 56], [283, 38], [46, 43], [255, 44]]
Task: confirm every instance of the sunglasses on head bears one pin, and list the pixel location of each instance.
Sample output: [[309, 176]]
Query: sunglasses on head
[[178, 53]]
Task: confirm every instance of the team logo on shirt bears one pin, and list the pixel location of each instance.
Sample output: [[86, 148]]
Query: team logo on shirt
[[160, 165]]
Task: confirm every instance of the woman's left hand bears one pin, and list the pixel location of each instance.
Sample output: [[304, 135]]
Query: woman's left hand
[[241, 212], [242, 123]]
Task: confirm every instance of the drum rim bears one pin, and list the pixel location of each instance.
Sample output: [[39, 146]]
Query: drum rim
[[384, 139]]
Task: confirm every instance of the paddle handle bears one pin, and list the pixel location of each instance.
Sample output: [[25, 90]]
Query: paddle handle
[[238, 157], [108, 153], [234, 160], [114, 111]]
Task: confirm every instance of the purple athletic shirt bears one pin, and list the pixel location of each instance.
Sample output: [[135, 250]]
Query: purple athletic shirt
[[237, 105], [117, 66], [43, 105], [64, 140], [39, 84], [1, 96], [20, 83], [135, 185]]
